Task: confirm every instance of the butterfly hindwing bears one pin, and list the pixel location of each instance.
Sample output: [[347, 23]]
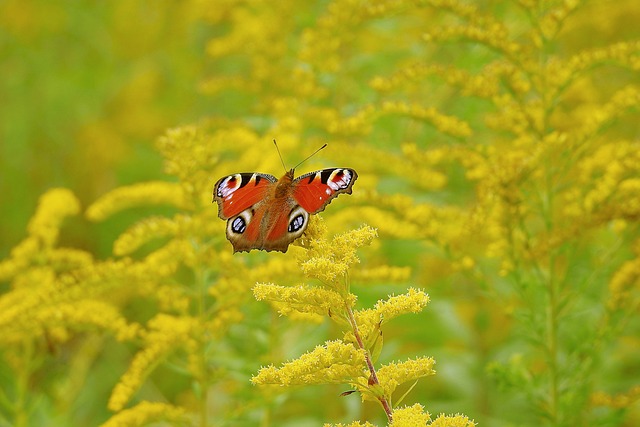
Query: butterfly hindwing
[[315, 190], [244, 230], [238, 192], [286, 228], [269, 225]]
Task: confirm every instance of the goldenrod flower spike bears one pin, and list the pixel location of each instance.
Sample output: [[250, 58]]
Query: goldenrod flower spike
[[303, 299], [452, 421], [410, 416], [53, 207], [143, 194], [144, 232], [329, 262], [370, 320], [414, 301], [333, 363], [146, 413], [87, 313], [353, 424], [166, 334], [381, 274], [394, 374], [620, 400], [350, 361], [625, 283]]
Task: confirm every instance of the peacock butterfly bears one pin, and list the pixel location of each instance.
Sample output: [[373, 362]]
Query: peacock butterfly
[[267, 213]]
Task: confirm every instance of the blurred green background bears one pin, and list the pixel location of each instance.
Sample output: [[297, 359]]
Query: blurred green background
[[86, 88]]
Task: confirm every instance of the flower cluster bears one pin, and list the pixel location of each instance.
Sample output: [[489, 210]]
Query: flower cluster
[[413, 416], [57, 290], [183, 265], [349, 360]]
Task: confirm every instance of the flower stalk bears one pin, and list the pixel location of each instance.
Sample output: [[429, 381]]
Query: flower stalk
[[373, 379], [348, 360]]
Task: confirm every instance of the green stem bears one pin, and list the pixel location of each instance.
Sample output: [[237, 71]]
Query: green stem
[[552, 283], [373, 378], [552, 345], [22, 388]]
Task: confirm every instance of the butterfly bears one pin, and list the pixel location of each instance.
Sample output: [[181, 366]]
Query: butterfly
[[267, 213]]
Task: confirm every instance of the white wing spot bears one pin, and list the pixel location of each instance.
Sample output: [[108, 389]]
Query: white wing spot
[[225, 190], [343, 182]]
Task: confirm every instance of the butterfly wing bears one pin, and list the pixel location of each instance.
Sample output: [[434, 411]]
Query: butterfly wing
[[238, 192], [315, 190], [286, 223], [243, 201]]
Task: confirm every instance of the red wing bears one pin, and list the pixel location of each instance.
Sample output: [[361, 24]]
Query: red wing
[[285, 229], [244, 230], [253, 233], [315, 190], [240, 191]]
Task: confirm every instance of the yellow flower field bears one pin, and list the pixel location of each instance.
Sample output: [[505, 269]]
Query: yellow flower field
[[484, 271]]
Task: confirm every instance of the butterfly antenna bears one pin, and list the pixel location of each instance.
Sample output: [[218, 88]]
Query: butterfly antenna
[[308, 157], [280, 155]]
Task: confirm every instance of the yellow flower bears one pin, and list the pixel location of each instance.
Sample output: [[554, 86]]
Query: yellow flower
[[410, 416], [166, 334], [224, 318], [66, 259], [370, 320], [54, 206], [623, 52], [623, 282], [42, 300], [619, 105], [353, 424], [396, 373], [411, 302], [17, 306], [485, 85], [80, 314], [146, 413], [333, 363], [21, 257], [383, 273], [494, 35], [303, 299], [143, 194], [446, 124], [452, 421], [165, 261], [143, 232], [329, 261], [621, 400]]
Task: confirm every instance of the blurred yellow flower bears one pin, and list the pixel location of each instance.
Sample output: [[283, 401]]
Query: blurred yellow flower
[[148, 412]]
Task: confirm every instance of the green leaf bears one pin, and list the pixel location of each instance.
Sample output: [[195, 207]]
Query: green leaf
[[406, 393]]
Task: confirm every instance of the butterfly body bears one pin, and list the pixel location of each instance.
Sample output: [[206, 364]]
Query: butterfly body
[[267, 213]]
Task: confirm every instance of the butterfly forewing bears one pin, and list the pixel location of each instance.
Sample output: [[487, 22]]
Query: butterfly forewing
[[238, 192], [314, 191]]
